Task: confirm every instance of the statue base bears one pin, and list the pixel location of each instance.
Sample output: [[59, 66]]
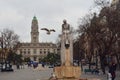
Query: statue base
[[67, 72]]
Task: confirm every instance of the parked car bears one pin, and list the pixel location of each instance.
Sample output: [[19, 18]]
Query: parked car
[[6, 67], [51, 66]]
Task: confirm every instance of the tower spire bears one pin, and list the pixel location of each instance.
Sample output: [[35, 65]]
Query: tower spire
[[34, 18]]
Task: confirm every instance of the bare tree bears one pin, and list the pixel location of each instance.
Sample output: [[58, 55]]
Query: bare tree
[[102, 33], [9, 42], [102, 3]]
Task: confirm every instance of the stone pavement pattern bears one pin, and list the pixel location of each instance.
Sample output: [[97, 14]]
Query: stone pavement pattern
[[30, 74], [26, 74]]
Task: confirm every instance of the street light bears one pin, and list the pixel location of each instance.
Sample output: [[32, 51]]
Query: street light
[[2, 48]]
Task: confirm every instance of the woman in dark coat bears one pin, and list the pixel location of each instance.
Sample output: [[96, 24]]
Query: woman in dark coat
[[112, 69]]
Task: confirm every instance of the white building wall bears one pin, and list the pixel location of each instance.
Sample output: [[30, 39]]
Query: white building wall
[[39, 48]]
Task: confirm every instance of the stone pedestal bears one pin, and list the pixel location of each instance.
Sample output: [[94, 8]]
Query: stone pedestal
[[67, 71]]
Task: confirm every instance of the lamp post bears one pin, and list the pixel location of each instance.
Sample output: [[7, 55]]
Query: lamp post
[[2, 51], [1, 45]]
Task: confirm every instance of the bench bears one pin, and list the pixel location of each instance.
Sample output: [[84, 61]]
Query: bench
[[87, 70], [92, 71]]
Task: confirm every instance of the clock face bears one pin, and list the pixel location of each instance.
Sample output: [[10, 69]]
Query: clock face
[[34, 35]]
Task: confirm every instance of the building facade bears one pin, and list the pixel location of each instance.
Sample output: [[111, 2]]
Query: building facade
[[36, 50]]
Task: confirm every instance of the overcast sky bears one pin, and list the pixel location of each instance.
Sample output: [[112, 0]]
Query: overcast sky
[[18, 14]]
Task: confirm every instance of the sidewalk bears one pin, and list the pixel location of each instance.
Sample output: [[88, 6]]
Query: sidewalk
[[101, 76]]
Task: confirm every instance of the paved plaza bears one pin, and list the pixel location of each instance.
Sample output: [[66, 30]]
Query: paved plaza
[[31, 74], [26, 74]]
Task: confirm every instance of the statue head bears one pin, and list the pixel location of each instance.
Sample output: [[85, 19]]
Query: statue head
[[64, 21]]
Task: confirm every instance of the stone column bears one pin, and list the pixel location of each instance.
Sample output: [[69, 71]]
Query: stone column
[[63, 52], [71, 48]]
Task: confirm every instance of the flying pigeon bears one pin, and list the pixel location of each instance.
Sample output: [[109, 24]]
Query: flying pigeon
[[48, 30]]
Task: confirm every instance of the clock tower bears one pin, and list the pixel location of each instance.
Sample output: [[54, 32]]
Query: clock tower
[[34, 31], [114, 2]]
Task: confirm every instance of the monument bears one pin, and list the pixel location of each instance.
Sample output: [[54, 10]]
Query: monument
[[67, 71], [66, 42]]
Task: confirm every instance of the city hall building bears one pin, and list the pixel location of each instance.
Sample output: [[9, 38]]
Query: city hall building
[[36, 50]]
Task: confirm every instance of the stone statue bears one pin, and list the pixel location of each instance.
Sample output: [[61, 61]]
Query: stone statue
[[66, 32], [66, 42]]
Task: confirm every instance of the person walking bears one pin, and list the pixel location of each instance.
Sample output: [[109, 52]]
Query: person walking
[[112, 69]]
